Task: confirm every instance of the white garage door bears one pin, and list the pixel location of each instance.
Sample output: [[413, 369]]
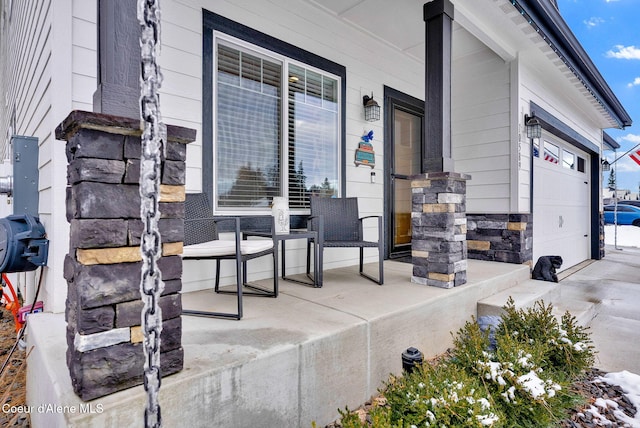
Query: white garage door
[[561, 215]]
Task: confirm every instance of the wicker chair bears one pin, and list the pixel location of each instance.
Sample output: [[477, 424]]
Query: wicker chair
[[338, 225], [201, 243]]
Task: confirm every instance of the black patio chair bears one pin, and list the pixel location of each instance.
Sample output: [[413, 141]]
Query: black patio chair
[[339, 225], [201, 242]]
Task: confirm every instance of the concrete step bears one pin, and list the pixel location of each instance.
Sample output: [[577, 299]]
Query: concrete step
[[524, 295], [584, 312], [575, 299]]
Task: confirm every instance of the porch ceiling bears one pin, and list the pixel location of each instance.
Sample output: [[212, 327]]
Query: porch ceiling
[[400, 23], [497, 23]]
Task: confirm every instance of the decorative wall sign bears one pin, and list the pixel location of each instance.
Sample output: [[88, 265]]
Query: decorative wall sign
[[364, 153]]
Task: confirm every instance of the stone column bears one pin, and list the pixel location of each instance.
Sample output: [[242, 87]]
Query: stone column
[[103, 267], [601, 235], [438, 229]]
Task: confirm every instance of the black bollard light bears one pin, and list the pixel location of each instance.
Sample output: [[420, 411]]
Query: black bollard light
[[410, 359]]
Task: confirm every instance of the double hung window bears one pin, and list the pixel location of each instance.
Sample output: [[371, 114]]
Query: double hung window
[[276, 128]]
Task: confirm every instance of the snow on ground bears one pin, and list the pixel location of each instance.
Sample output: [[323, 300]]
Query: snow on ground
[[630, 384], [627, 236]]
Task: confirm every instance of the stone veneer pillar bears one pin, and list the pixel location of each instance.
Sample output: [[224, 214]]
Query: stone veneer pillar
[[601, 236], [506, 238], [438, 229], [103, 267]]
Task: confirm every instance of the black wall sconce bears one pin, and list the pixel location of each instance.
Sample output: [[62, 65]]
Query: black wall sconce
[[606, 166], [371, 108], [534, 129]]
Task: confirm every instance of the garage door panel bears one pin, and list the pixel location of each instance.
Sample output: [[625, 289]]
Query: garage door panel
[[561, 214]]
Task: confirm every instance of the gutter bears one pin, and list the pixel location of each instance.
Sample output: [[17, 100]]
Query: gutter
[[543, 16], [609, 141]]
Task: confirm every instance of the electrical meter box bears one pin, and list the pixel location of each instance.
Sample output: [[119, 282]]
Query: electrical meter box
[[25, 175]]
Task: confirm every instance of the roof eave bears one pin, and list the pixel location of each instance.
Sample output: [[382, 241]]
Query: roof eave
[[609, 141], [544, 15]]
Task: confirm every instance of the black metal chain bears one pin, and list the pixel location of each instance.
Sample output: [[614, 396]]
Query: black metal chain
[[153, 138]]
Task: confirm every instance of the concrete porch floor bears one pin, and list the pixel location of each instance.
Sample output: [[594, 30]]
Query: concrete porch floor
[[290, 360]]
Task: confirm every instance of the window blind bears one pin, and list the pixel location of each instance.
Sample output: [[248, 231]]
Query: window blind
[[312, 136], [248, 129], [250, 164]]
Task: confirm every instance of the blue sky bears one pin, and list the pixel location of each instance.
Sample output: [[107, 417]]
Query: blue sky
[[609, 32]]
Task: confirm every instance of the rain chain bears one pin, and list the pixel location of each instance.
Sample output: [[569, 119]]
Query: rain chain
[[153, 138]]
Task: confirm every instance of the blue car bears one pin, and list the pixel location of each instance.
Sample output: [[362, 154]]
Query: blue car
[[627, 214]]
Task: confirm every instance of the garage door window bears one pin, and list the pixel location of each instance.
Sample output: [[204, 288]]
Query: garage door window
[[568, 160], [551, 152]]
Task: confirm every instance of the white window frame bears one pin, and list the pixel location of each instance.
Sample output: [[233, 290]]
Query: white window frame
[[234, 42]]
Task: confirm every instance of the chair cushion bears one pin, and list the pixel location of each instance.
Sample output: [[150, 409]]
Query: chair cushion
[[226, 248]]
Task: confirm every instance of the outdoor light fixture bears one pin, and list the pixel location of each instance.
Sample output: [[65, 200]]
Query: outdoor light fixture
[[606, 166], [371, 108], [534, 129]]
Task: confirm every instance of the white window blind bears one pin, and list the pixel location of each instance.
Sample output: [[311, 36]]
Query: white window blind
[[252, 166], [248, 129], [313, 136]]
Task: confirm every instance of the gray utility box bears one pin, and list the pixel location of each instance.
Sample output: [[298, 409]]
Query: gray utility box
[[25, 175]]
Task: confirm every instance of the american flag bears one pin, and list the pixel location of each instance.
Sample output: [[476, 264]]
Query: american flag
[[548, 156], [635, 156]]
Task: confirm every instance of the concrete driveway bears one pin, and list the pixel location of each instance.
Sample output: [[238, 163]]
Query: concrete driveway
[[613, 286]]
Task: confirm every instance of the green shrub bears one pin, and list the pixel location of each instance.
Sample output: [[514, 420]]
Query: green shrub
[[526, 394], [380, 418], [525, 382], [567, 347], [440, 395]]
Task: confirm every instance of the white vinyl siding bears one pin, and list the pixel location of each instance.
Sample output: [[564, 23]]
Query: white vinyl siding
[[36, 58], [26, 82], [537, 86], [26, 72], [481, 129], [84, 54]]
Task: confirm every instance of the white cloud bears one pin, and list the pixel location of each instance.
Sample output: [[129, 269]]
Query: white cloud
[[624, 52], [625, 164], [632, 138], [610, 1], [635, 82], [594, 21]]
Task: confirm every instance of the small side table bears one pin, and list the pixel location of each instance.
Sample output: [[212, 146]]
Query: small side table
[[294, 234]]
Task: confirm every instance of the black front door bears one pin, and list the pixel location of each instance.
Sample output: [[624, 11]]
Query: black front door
[[404, 123]]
